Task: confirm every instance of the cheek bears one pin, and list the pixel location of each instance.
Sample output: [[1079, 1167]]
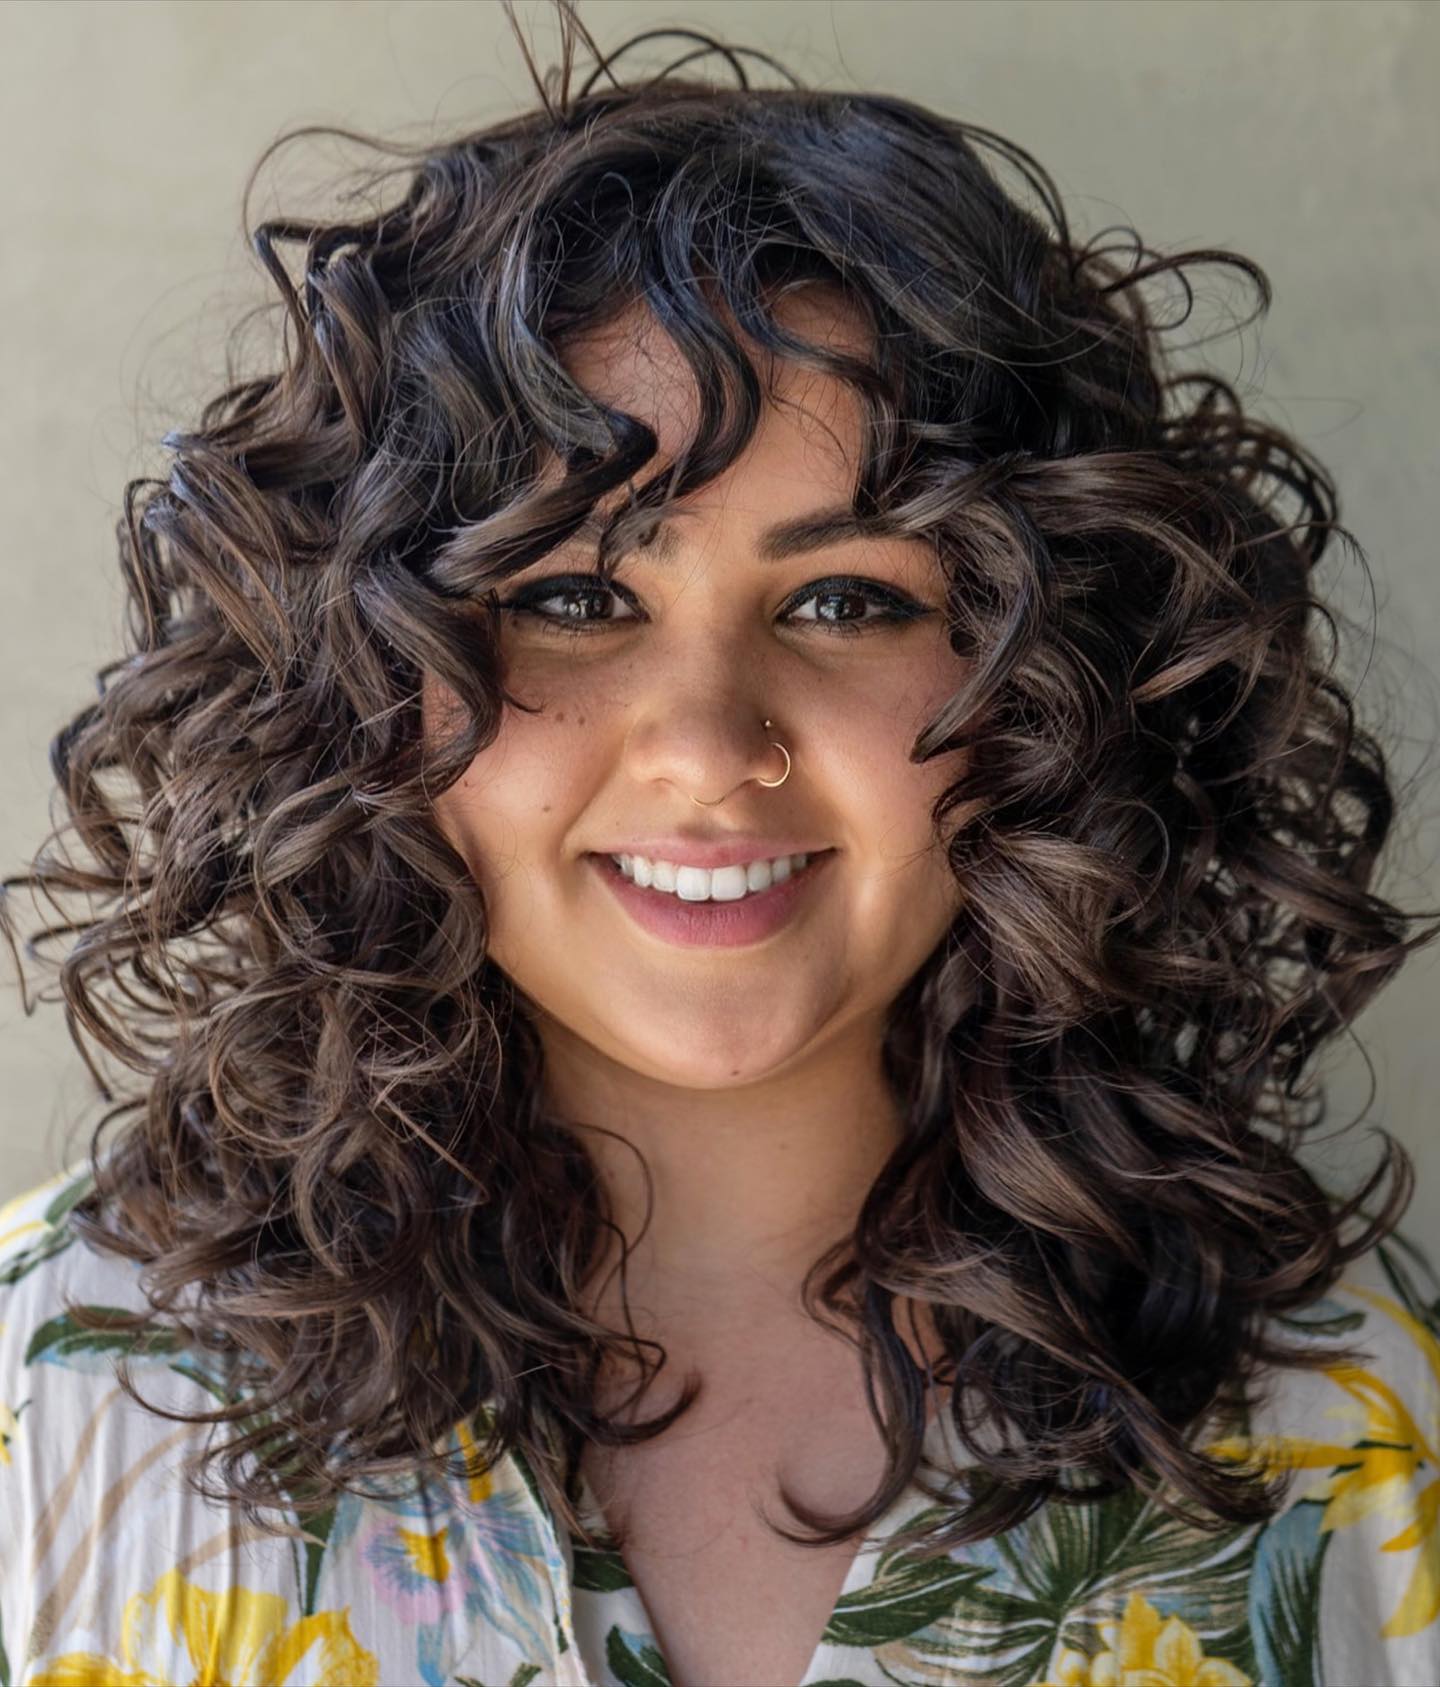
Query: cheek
[[455, 810], [870, 751], [903, 797], [512, 801], [437, 705]]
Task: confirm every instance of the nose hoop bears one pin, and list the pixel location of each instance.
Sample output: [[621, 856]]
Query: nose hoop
[[769, 784]]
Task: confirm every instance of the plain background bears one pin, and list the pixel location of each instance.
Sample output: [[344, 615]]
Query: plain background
[[1304, 135]]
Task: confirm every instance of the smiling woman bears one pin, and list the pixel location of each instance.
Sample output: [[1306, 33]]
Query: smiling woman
[[731, 778], [639, 735]]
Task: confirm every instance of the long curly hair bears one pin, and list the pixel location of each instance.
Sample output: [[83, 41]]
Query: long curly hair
[[338, 1170]]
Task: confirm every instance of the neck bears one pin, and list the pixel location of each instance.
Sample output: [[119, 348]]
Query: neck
[[749, 1185]]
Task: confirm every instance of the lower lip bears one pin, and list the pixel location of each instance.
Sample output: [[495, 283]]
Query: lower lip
[[723, 925]]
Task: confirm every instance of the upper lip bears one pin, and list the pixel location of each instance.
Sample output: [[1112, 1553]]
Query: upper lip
[[731, 851]]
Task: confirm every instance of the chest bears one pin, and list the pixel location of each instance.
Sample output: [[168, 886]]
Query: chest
[[727, 1600]]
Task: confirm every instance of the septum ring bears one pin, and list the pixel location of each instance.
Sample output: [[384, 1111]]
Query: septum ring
[[769, 784]]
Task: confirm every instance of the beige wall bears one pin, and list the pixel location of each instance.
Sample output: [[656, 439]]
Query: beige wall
[[1297, 133]]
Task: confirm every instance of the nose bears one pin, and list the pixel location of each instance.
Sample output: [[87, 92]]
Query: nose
[[705, 749]]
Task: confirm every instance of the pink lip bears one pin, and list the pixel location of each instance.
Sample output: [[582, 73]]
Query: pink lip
[[711, 924], [739, 848]]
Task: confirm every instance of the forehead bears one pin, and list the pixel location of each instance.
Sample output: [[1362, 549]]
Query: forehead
[[632, 364], [791, 491]]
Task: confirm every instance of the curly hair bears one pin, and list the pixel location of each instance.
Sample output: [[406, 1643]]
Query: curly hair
[[341, 1177]]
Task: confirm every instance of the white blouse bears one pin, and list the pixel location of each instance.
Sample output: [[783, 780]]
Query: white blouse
[[111, 1571]]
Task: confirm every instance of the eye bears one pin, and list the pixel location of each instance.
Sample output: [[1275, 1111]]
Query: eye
[[576, 588], [894, 607]]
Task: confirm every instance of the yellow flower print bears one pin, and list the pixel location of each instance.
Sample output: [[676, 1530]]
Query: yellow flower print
[[479, 1486], [1143, 1649], [1068, 1668], [232, 1637], [1378, 1473], [427, 1554], [9, 1423]]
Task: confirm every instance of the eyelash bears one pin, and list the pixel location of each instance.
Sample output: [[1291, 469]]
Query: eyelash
[[898, 609]]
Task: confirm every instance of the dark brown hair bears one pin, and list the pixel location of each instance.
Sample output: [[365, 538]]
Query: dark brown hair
[[1167, 825]]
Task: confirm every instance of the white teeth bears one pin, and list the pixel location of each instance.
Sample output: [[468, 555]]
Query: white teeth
[[704, 884]]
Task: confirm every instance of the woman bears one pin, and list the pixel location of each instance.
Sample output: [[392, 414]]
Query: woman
[[728, 768]]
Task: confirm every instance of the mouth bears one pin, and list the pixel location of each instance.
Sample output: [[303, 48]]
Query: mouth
[[750, 919]]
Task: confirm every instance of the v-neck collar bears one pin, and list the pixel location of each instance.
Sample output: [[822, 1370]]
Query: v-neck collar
[[626, 1605]]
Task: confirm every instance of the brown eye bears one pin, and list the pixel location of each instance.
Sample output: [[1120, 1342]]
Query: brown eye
[[893, 608], [579, 589]]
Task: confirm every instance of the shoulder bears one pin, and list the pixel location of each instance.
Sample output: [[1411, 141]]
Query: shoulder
[[46, 1267], [74, 1446], [1381, 1322], [1393, 1293], [37, 1256], [32, 1222], [1374, 1382], [53, 1368], [1346, 1578], [111, 1566]]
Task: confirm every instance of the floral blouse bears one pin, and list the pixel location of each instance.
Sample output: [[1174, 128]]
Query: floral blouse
[[111, 1572]]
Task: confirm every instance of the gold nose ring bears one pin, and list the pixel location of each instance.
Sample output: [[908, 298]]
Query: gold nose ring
[[770, 784]]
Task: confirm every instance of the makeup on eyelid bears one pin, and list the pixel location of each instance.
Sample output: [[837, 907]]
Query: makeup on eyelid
[[895, 607]]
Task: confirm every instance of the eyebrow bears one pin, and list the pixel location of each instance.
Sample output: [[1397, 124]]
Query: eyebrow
[[795, 536]]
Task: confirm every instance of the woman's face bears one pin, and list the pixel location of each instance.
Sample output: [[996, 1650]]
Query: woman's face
[[664, 696]]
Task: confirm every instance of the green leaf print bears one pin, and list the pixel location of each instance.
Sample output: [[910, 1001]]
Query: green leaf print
[[1097, 1555], [68, 1196], [523, 1676], [1331, 1328], [317, 1526], [596, 1570], [1412, 1278], [320, 1526], [211, 1384], [1060, 1574], [1285, 1599], [1129, 1545], [46, 1246], [52, 1240], [634, 1659], [60, 1337], [532, 1483], [906, 1594]]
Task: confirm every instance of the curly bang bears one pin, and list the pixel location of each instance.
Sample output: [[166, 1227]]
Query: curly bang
[[337, 1168]]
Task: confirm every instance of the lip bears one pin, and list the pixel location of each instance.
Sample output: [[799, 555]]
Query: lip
[[724, 925], [737, 850]]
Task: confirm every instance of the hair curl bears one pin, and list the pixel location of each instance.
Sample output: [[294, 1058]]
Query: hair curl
[[1167, 825]]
